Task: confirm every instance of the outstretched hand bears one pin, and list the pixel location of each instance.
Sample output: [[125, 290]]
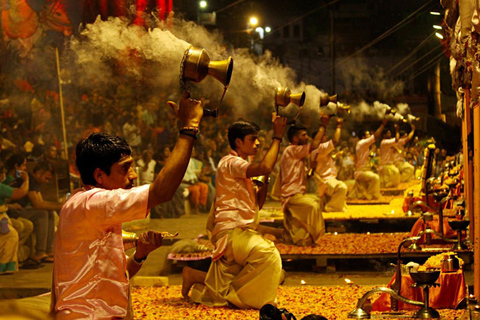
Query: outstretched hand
[[147, 242], [190, 111]]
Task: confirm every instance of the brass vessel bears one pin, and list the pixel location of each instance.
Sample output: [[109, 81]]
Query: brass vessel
[[283, 97], [196, 65]]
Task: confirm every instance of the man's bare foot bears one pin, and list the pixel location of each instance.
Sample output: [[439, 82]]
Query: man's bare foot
[[190, 277], [187, 275]]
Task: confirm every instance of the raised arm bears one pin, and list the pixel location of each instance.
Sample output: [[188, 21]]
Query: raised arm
[[268, 162], [397, 132], [338, 132], [411, 134], [163, 188], [324, 118], [378, 133]]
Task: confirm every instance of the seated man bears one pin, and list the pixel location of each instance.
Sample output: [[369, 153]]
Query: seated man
[[9, 237], [332, 190], [303, 220], [246, 268], [367, 183], [388, 172], [91, 271], [41, 212]]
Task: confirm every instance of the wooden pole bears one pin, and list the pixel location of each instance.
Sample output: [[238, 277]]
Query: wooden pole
[[65, 145], [476, 197], [437, 93], [467, 163]]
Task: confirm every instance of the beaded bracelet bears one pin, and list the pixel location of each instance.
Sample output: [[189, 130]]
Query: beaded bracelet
[[277, 138], [194, 129]]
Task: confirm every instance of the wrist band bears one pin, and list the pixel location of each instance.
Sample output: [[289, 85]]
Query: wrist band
[[277, 138], [189, 133], [194, 129]]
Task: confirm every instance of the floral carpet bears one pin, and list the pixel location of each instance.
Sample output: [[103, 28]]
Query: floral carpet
[[330, 244], [333, 302]]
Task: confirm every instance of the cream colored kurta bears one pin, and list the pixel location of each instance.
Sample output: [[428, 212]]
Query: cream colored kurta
[[89, 273], [303, 220], [334, 191], [405, 168], [367, 183], [388, 172], [246, 268]]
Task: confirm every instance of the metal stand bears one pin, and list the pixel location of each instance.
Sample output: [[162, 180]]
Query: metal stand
[[426, 312]]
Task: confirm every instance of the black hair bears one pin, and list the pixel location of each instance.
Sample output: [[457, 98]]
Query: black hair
[[43, 166], [386, 131], [99, 150], [240, 129], [37, 150], [362, 133], [294, 130], [16, 158]]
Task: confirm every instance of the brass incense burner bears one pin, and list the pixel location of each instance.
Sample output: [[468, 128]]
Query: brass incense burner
[[196, 66]]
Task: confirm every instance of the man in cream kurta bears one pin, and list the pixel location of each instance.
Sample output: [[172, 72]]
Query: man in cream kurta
[[91, 271], [405, 168], [388, 172], [246, 268], [367, 183], [333, 191], [303, 220]]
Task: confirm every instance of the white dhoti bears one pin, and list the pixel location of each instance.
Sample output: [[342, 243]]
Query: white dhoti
[[246, 276], [367, 186], [406, 170], [334, 192], [303, 220], [389, 176]]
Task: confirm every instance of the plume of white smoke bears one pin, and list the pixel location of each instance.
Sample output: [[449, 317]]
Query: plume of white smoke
[[154, 56]]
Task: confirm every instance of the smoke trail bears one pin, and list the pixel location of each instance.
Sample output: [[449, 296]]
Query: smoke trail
[[153, 58], [108, 50]]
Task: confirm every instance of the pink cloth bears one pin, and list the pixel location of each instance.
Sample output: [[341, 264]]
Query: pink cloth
[[400, 156], [326, 168], [362, 150], [234, 201], [387, 151], [292, 170], [235, 197], [89, 273]]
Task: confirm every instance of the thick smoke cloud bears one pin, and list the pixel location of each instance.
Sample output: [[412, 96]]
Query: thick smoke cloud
[[108, 52]]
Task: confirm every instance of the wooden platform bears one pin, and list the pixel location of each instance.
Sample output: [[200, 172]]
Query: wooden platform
[[357, 218], [393, 191], [367, 202], [340, 246]]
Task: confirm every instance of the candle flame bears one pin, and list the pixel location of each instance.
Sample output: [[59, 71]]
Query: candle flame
[[348, 281], [303, 282]]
